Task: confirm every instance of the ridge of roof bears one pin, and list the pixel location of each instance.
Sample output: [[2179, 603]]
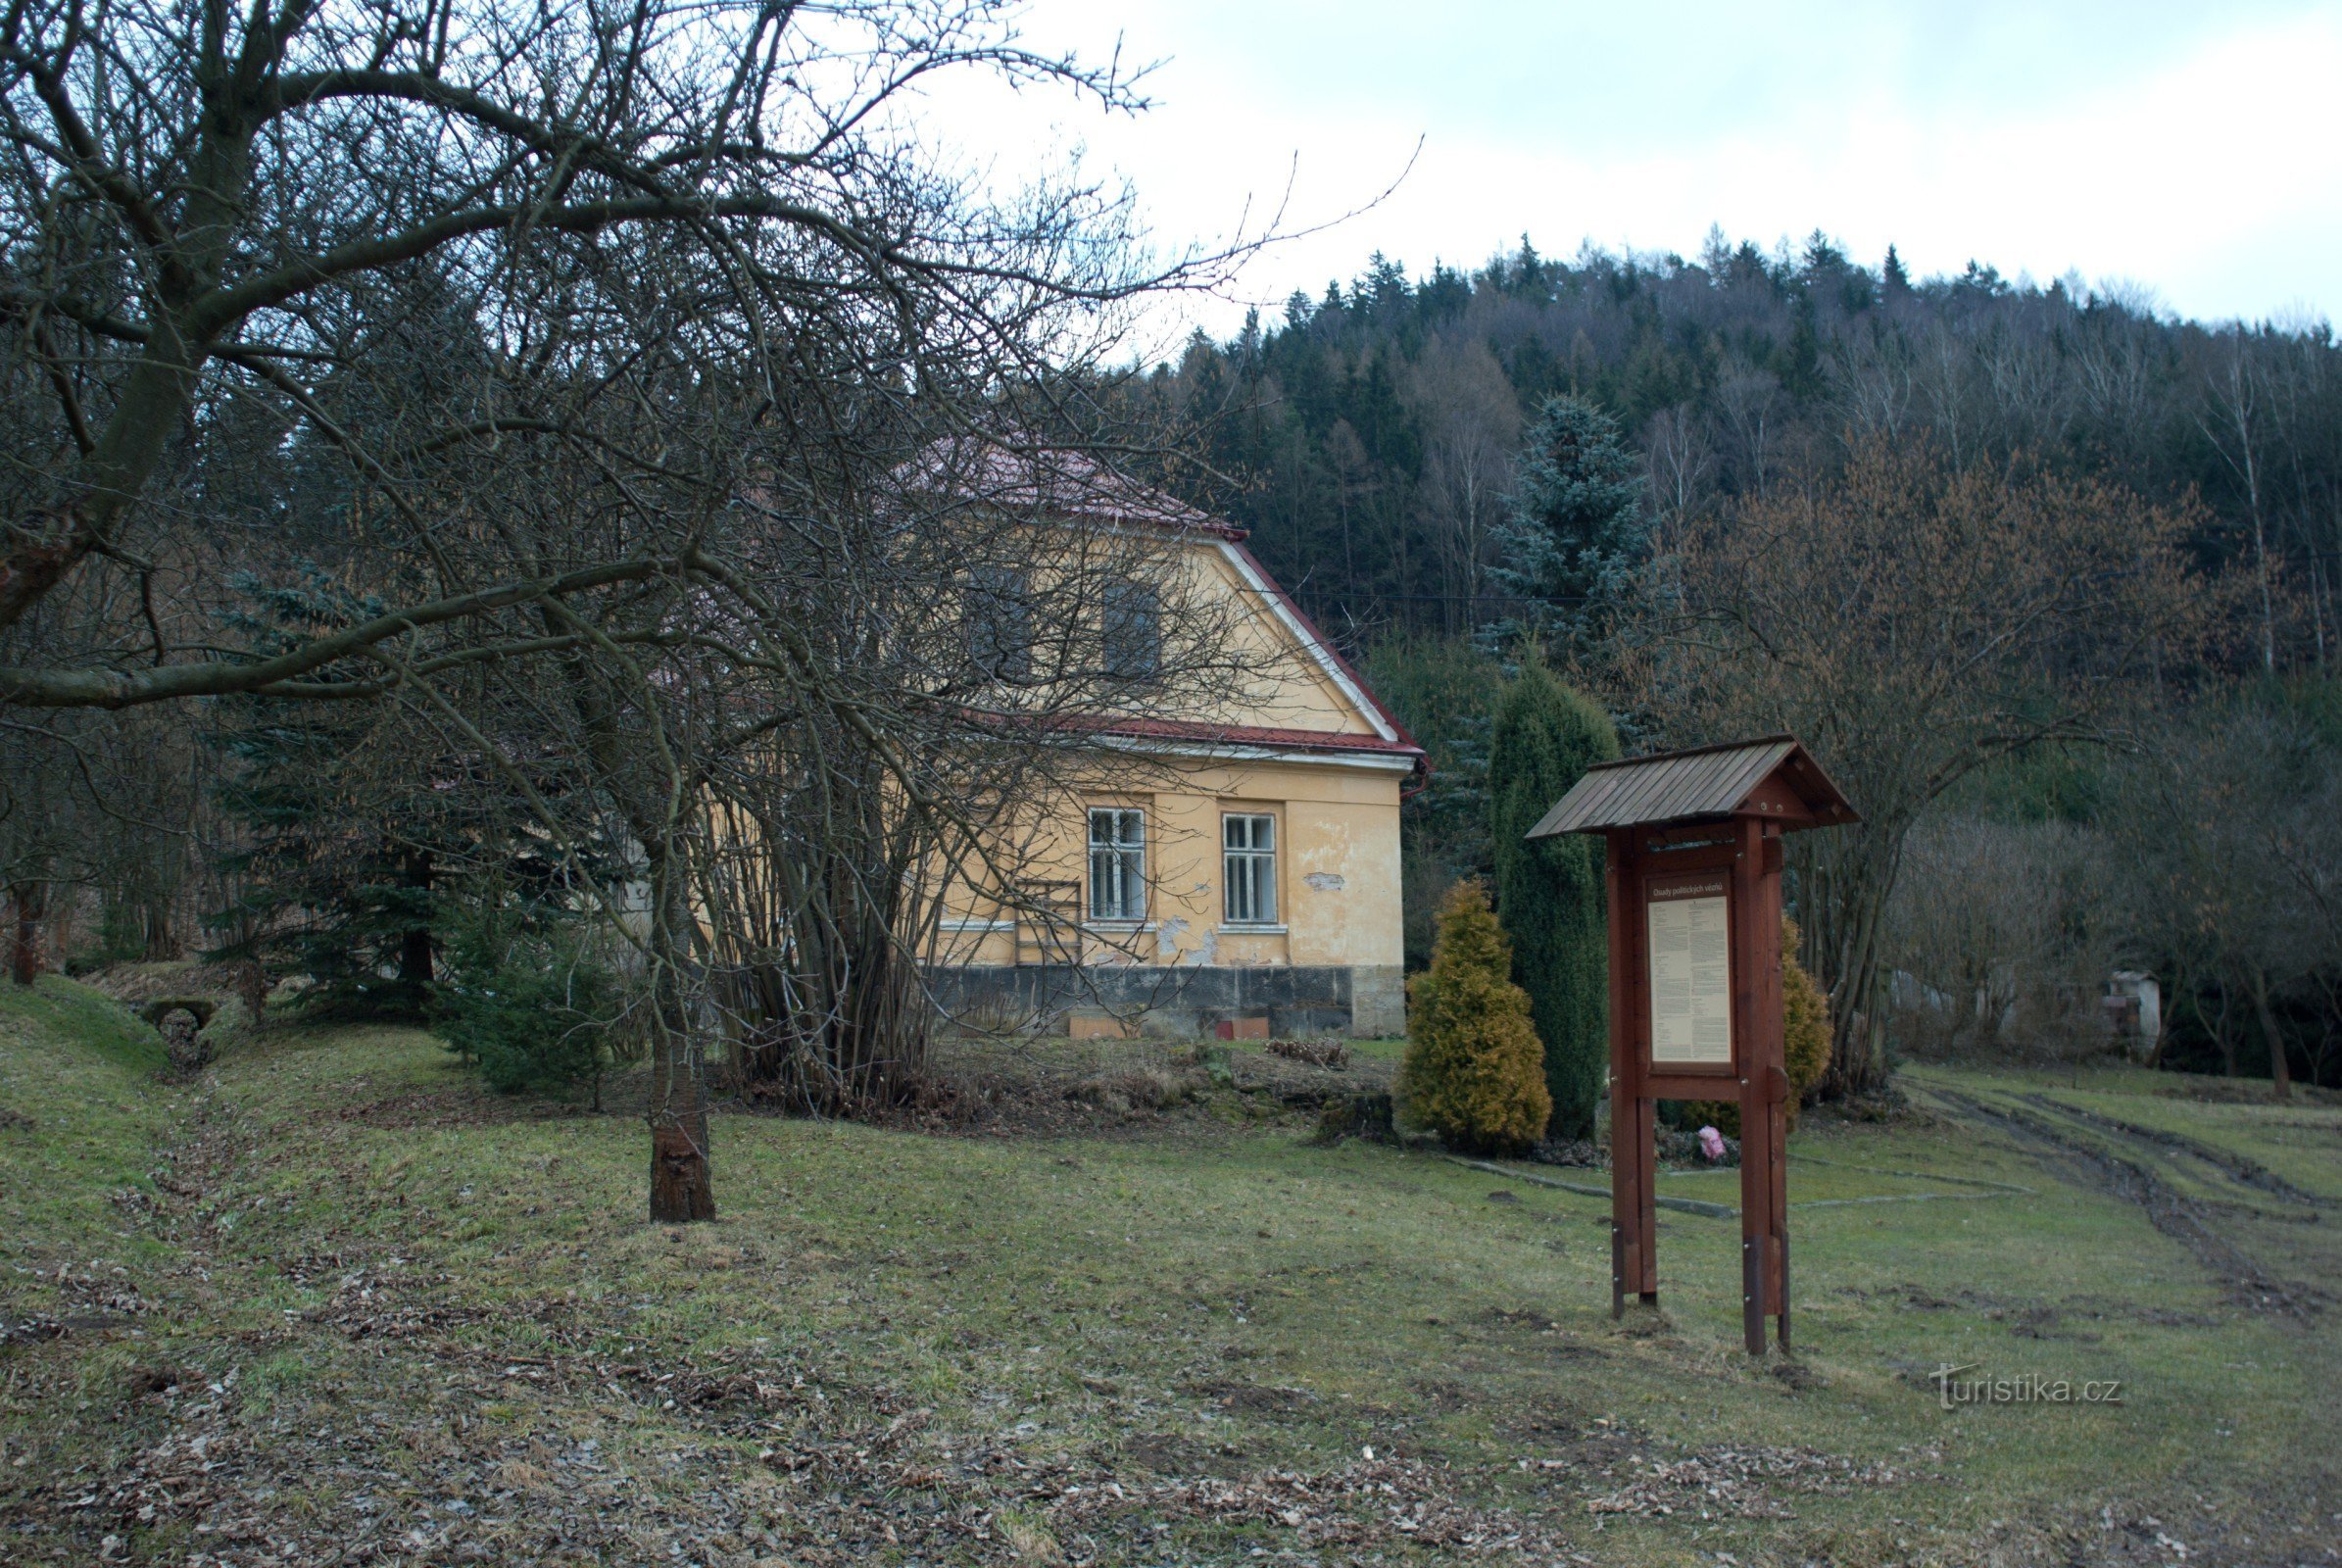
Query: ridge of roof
[[1064, 480], [1695, 751]]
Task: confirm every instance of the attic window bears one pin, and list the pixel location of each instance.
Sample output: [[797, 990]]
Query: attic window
[[1134, 631]]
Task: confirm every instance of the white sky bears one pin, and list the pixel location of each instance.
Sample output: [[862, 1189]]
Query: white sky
[[2194, 149]]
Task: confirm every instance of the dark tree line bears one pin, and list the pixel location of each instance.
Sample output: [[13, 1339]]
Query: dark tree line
[[1369, 438]]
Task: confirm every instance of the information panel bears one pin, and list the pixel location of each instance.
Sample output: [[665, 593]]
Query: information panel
[[1690, 972]]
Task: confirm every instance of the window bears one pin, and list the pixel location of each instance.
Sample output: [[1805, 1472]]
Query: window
[[1117, 864], [1134, 631], [1250, 890], [1000, 622]]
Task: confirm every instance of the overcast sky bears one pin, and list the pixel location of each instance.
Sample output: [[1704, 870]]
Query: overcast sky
[[2194, 149]]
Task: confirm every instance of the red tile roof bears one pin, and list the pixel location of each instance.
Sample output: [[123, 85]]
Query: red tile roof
[[1056, 480]]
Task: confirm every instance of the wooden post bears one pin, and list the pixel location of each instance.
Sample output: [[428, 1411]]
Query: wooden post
[[1614, 879], [1749, 1038], [1703, 824], [1766, 927], [1643, 1145], [1630, 1250]]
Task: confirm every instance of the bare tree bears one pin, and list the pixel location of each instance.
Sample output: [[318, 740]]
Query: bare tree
[[2228, 833], [2235, 424], [1681, 471], [889, 660], [509, 321], [1911, 624], [2000, 934], [1472, 423], [211, 209]]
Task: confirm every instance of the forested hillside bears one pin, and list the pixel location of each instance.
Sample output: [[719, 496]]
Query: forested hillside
[[1368, 438], [2045, 571]]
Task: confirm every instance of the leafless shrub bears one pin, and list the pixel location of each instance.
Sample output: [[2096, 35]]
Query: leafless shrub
[[2000, 937]]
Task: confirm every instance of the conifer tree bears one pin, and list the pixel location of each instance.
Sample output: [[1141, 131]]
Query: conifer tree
[[1471, 1071], [1892, 278], [1575, 530], [1549, 892], [331, 861]]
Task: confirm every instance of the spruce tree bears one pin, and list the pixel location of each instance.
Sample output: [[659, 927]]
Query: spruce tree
[[324, 886], [1893, 279], [1549, 892], [1575, 532]]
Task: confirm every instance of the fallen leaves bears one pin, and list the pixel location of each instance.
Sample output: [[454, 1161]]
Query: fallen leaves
[[1737, 1483]]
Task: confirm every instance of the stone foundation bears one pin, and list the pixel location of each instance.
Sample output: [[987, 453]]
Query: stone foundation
[[1173, 1001]]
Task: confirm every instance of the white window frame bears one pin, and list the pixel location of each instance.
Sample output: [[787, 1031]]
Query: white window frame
[[1117, 883], [1249, 869]]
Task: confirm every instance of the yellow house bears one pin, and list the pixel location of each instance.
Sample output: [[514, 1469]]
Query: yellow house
[[1236, 872]]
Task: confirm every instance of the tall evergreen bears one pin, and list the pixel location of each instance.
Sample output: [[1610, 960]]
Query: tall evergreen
[[1549, 892], [1576, 529]]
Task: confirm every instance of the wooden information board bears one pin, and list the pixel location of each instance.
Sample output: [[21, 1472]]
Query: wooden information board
[[1693, 871]]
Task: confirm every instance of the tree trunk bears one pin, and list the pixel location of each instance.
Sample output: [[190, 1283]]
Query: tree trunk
[[2280, 1072], [2221, 1033], [30, 901], [682, 1191], [414, 956], [252, 980], [161, 939], [682, 1184], [1846, 888]]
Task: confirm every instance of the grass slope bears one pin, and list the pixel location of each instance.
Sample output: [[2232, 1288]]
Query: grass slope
[[334, 1303]]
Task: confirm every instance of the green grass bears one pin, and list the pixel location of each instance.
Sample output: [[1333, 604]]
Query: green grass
[[898, 1346], [81, 1122]]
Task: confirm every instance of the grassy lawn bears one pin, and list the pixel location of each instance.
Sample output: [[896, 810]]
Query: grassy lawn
[[334, 1303]]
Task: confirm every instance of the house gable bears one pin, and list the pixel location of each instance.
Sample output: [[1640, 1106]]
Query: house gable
[[1308, 703]]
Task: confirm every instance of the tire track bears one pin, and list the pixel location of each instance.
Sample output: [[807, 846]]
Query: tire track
[[2238, 1168], [2181, 1218]]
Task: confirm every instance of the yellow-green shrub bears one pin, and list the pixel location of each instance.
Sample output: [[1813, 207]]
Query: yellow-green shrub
[[1805, 1018], [1805, 1041], [1474, 1070]]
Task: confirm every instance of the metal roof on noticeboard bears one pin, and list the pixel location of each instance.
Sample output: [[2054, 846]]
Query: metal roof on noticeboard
[[1704, 782]]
